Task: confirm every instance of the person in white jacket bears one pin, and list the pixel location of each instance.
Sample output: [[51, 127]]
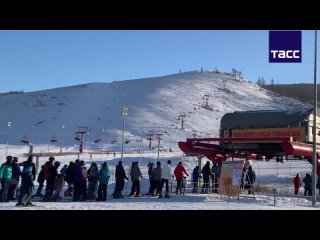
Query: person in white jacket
[[166, 174]]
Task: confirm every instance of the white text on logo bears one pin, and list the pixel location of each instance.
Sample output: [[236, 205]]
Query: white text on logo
[[285, 54]]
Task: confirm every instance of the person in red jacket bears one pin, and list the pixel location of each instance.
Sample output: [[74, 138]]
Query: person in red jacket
[[297, 184], [179, 172]]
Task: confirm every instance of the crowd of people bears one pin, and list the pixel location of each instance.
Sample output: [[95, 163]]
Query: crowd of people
[[91, 184], [10, 176], [82, 184]]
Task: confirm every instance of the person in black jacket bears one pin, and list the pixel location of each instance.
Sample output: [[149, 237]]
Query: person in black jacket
[[120, 176], [318, 184], [16, 173], [206, 173], [93, 179], [40, 180], [69, 178], [136, 176], [151, 178]]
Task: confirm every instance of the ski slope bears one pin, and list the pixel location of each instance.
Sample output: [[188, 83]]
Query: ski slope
[[154, 105]]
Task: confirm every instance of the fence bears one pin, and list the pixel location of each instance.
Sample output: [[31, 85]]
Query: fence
[[274, 182]]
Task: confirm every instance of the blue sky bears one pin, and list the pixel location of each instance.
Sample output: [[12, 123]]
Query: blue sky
[[37, 60]]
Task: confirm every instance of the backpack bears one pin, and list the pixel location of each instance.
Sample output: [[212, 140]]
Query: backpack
[[104, 176], [46, 170]]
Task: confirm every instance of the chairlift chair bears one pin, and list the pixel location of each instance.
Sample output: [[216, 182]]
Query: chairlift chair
[[114, 140], [25, 140]]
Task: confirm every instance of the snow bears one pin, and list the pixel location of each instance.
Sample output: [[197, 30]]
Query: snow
[[154, 104], [188, 202]]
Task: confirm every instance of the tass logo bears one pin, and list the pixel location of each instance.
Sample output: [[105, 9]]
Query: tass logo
[[285, 46]]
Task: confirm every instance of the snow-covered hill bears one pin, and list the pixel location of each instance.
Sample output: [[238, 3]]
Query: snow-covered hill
[[154, 104]]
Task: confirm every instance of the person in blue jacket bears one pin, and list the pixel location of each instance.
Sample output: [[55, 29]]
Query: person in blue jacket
[[195, 177], [250, 179], [104, 176], [307, 185], [27, 184]]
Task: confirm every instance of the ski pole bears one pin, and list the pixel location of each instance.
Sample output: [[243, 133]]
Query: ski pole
[[28, 198]]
